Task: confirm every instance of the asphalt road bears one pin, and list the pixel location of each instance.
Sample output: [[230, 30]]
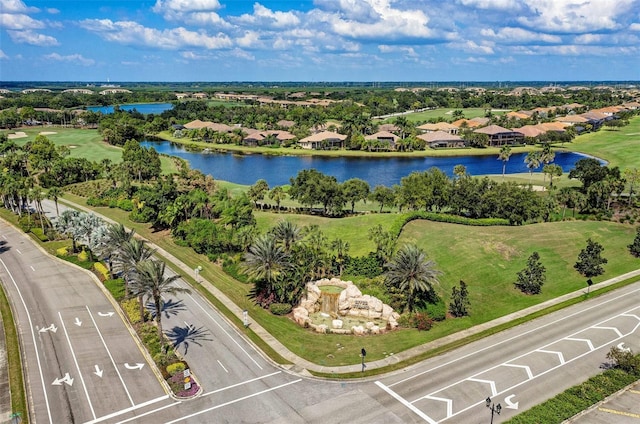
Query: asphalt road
[[81, 361], [517, 368]]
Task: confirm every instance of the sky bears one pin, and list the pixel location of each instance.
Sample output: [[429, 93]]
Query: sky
[[319, 40]]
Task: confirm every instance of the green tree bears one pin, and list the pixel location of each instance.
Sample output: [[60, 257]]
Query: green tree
[[54, 193], [286, 234], [588, 171], [383, 195], [355, 189], [277, 194], [385, 243], [264, 262], [341, 255], [632, 175], [634, 248], [459, 305], [531, 279], [552, 170], [410, 272], [590, 260], [152, 282], [257, 191], [533, 162], [504, 155]]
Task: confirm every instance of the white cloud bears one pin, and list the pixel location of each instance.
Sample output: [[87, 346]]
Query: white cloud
[[634, 26], [471, 46], [53, 11], [267, 18], [33, 38], [357, 10], [407, 50], [16, 6], [3, 55], [185, 6], [576, 16], [19, 21], [492, 4], [72, 58], [250, 39], [132, 33], [588, 39], [517, 35]]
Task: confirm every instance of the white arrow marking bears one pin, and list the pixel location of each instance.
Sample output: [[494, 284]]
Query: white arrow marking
[[78, 322], [108, 314], [52, 327], [511, 405], [98, 371], [66, 379], [622, 347], [133, 367]]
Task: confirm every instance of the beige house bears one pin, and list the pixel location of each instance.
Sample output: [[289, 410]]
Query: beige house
[[323, 140], [439, 126], [384, 137], [442, 139], [499, 136]]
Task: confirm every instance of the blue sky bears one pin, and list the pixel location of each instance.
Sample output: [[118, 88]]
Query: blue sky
[[320, 40]]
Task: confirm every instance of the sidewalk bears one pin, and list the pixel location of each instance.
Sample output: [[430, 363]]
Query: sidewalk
[[301, 365]]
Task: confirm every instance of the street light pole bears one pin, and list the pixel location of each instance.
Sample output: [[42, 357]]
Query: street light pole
[[493, 408], [197, 270]]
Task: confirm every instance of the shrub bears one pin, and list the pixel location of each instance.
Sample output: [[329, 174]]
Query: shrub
[[82, 256], [280, 308], [437, 311], [102, 270], [116, 288], [131, 307], [39, 234], [175, 368], [62, 251], [422, 321], [125, 205]]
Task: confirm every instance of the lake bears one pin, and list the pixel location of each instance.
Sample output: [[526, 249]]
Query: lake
[[276, 170], [144, 108]]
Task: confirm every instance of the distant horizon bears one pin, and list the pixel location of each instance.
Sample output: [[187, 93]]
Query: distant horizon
[[320, 40]]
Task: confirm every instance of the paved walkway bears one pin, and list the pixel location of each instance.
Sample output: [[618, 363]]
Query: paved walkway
[[301, 365]]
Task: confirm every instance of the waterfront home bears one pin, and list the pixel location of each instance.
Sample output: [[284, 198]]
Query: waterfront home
[[323, 140]]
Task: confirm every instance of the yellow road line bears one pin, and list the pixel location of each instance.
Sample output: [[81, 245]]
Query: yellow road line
[[613, 411]]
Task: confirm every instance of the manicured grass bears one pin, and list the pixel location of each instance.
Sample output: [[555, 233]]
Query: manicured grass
[[14, 362], [446, 113], [620, 147], [83, 143], [486, 258]]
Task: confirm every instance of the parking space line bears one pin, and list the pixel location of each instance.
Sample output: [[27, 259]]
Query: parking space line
[[623, 413], [133, 408], [554, 352]]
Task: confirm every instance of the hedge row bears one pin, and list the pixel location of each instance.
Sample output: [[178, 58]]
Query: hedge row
[[398, 225]]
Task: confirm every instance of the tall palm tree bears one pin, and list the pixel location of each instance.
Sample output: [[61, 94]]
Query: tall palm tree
[[411, 272], [66, 224], [151, 282], [504, 155], [533, 162], [86, 226], [54, 194], [341, 249], [265, 261], [127, 258], [287, 234], [114, 239]]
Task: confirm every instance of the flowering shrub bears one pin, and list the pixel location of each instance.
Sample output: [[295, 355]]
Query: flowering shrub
[[82, 256], [173, 369], [61, 251], [102, 271]]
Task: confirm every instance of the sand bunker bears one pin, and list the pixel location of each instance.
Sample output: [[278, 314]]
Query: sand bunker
[[18, 134], [48, 132]]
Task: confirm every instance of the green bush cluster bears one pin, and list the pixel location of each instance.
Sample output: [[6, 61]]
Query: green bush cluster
[[175, 368], [280, 308], [131, 307], [116, 288], [436, 311], [39, 234]]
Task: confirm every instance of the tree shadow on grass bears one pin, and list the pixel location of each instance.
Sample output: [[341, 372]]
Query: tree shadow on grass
[[186, 335]]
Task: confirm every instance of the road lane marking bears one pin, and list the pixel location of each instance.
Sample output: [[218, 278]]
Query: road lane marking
[[623, 413], [526, 368], [32, 268], [446, 364], [225, 331], [449, 403], [491, 383], [231, 402], [609, 328], [554, 352], [240, 384], [110, 356], [133, 408], [18, 250], [225, 370], [406, 403], [33, 336], [75, 360], [587, 341]]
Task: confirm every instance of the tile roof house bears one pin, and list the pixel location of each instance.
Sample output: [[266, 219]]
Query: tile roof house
[[323, 140], [384, 137], [572, 119], [256, 137], [466, 123], [530, 131], [440, 139], [439, 126], [518, 115], [499, 136]]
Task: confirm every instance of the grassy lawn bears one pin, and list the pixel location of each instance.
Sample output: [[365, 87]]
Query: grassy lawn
[[621, 147], [486, 258], [83, 143], [446, 113]]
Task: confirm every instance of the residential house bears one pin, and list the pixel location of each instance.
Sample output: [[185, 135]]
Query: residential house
[[323, 140], [384, 138], [439, 126], [466, 123], [442, 139], [499, 136]]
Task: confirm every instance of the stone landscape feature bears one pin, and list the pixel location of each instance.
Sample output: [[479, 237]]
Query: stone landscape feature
[[336, 306]]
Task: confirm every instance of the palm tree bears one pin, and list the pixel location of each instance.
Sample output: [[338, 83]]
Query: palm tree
[[151, 282], [115, 237], [86, 226], [504, 155], [341, 249], [265, 261], [533, 162], [127, 258], [66, 224], [54, 194], [287, 234], [411, 272], [277, 194]]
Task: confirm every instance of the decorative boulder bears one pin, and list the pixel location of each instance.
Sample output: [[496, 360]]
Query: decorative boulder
[[301, 316], [375, 329], [322, 328], [336, 323], [358, 330]]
